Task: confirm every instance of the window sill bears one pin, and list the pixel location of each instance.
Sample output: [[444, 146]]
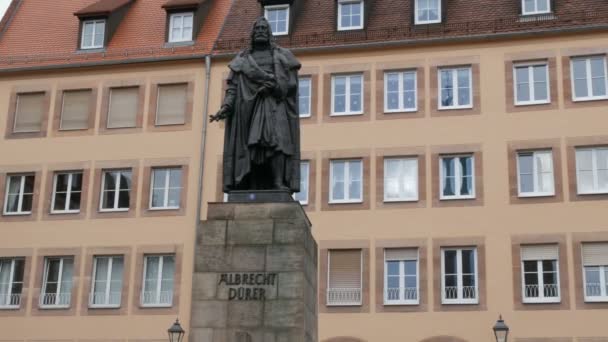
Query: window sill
[[459, 302], [526, 104], [54, 307], [345, 114], [57, 213], [592, 193], [280, 34], [401, 303], [400, 111], [541, 301], [178, 44], [346, 202], [401, 200], [422, 23], [17, 214], [531, 17], [343, 305], [589, 99], [454, 108], [119, 128], [73, 129], [164, 209], [92, 50], [104, 307], [10, 308], [356, 28], [596, 300], [456, 198], [305, 116], [155, 306], [535, 195], [105, 211], [170, 125]]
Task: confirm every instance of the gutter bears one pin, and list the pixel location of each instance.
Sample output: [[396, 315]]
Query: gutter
[[201, 171]]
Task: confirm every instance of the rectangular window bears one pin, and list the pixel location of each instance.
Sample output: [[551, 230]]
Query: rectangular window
[[592, 170], [302, 196], [535, 7], [180, 26], [304, 98], [67, 191], [93, 32], [347, 94], [345, 278], [595, 272], [115, 190], [401, 276], [346, 184], [400, 179], [278, 18], [19, 195], [589, 80], [428, 11], [75, 109], [531, 84], [158, 280], [56, 289], [535, 173], [166, 188], [459, 276], [106, 288], [350, 14], [540, 274], [29, 112], [457, 175], [400, 91], [171, 104], [11, 282], [456, 87], [122, 111]]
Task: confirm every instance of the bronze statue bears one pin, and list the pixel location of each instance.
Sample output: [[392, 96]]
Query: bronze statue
[[262, 135]]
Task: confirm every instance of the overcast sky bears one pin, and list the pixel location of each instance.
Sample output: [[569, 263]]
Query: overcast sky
[[3, 6]]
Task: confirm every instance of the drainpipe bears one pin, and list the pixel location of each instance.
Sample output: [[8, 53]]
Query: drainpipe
[[201, 165]]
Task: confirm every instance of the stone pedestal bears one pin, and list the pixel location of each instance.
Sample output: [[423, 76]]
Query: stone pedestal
[[255, 276]]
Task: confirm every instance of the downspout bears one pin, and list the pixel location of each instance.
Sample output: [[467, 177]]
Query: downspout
[[201, 166]]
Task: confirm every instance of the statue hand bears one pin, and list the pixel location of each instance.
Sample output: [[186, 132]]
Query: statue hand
[[221, 114]]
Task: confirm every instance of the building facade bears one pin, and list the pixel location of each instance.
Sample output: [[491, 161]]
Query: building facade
[[455, 163]]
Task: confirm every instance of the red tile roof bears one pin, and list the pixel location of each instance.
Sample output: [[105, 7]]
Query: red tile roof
[[102, 7], [140, 35]]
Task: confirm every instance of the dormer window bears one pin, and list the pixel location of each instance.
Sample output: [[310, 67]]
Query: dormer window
[[93, 33], [427, 11], [278, 18], [350, 15], [181, 27], [531, 7]]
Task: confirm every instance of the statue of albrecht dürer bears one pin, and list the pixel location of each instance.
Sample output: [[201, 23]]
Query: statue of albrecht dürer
[[262, 135]]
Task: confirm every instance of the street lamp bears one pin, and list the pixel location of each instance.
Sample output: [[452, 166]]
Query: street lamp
[[176, 333], [501, 330]]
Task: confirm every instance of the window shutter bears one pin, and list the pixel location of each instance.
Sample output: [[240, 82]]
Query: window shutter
[[171, 106], [541, 252], [75, 109], [444, 10], [122, 110], [595, 254], [520, 6], [398, 254], [345, 269], [28, 115], [552, 3], [413, 12]]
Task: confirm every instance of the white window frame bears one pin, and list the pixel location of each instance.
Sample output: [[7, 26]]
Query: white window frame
[[401, 301], [531, 81], [307, 177], [603, 284], [158, 281], [21, 194], [535, 174], [309, 80], [347, 95], [172, 21], [536, 11], [327, 302], [588, 78], [595, 170], [455, 89], [347, 28], [9, 294], [401, 199], [116, 191], [458, 177], [347, 198], [459, 276], [68, 192], [59, 283], [277, 8], [422, 22], [541, 283], [108, 280], [166, 188], [93, 46], [401, 90]]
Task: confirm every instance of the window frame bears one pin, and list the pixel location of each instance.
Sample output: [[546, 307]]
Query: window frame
[[536, 11], [455, 88], [541, 282], [588, 78], [402, 274], [349, 28], [457, 177], [531, 81], [43, 115], [535, 174], [165, 188], [22, 193], [603, 269], [68, 192], [347, 199], [11, 282], [94, 22], [60, 276], [424, 22], [172, 17], [116, 190], [459, 276], [108, 281], [593, 150], [417, 181], [159, 278], [309, 101], [347, 95], [327, 302], [305, 202], [401, 90], [278, 8]]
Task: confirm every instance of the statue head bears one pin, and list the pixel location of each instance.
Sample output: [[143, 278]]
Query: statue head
[[261, 32]]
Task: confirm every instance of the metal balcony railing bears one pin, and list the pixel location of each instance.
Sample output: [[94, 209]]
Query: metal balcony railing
[[595, 290], [153, 298], [10, 301], [468, 292], [402, 294], [344, 296], [548, 291], [55, 299], [104, 299]]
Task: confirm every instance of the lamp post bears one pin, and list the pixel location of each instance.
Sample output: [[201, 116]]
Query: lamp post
[[176, 333], [501, 330]]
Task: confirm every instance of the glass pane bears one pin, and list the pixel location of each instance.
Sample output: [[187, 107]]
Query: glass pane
[[579, 71], [62, 182], [540, 91], [393, 282], [101, 271], [599, 86], [28, 187], [523, 92], [468, 280], [468, 261], [74, 201], [463, 78], [392, 267], [19, 270], [540, 73], [158, 198], [550, 278], [410, 282], [152, 263], [125, 180], [549, 266], [410, 267], [464, 96], [530, 266], [466, 164], [168, 267], [521, 75], [597, 67], [123, 199], [531, 278], [450, 261], [160, 177], [354, 190], [107, 201], [584, 159], [14, 184], [76, 181], [110, 180], [60, 199], [529, 6], [26, 203], [174, 197], [543, 5]]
